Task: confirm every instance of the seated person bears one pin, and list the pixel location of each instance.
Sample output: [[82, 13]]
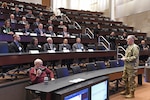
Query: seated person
[[49, 45], [124, 36], [77, 45], [17, 12], [23, 20], [12, 19], [64, 45], [16, 46], [61, 24], [34, 45], [65, 33], [6, 29], [53, 17], [49, 23], [40, 31], [4, 5], [143, 45], [37, 22], [29, 14], [41, 16], [26, 30], [50, 31], [37, 74]]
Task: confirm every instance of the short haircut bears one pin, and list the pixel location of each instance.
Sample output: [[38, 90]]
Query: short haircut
[[38, 61], [49, 38], [131, 37]]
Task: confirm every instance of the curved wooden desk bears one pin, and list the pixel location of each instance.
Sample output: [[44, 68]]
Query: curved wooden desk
[[113, 73], [21, 58]]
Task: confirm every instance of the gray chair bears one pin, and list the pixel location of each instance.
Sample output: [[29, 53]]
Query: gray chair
[[100, 65], [90, 67], [76, 69], [62, 72]]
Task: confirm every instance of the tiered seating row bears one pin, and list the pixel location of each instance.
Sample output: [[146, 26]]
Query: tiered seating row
[[91, 20], [81, 12]]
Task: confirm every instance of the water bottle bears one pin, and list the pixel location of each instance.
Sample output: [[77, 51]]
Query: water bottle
[[46, 80]]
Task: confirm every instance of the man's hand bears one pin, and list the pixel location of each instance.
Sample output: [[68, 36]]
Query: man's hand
[[123, 58], [38, 72], [52, 79]]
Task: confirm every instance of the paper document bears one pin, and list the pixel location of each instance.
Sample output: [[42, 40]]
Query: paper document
[[76, 80]]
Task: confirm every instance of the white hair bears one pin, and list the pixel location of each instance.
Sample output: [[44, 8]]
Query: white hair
[[36, 61], [131, 37], [49, 38]]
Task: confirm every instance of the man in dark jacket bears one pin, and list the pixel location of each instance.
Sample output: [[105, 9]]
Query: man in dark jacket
[[16, 46]]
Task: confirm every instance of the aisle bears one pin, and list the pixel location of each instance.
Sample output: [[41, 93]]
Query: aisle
[[142, 93]]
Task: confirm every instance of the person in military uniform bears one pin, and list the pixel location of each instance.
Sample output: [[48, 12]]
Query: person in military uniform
[[131, 61]]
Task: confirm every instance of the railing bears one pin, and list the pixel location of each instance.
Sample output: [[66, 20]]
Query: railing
[[102, 42], [68, 19], [89, 33], [77, 25], [118, 51]]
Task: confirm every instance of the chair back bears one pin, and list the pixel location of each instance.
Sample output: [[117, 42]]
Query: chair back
[[4, 47], [62, 72], [76, 69], [100, 65], [90, 66], [92, 46], [121, 63], [113, 63]]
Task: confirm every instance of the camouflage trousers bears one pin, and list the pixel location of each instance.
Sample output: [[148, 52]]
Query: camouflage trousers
[[129, 79]]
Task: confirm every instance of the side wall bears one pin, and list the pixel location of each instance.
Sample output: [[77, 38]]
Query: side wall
[[140, 21]]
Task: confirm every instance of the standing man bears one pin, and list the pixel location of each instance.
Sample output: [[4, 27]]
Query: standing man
[[131, 60], [97, 30]]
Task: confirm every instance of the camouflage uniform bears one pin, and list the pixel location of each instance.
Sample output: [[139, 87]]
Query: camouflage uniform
[[130, 67]]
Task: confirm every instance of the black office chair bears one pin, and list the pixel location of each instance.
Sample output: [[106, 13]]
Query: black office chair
[[92, 46], [115, 83], [121, 63], [101, 47], [4, 47], [90, 67], [9, 70], [113, 63], [3, 50], [85, 36], [100, 65], [76, 69], [62, 72]]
